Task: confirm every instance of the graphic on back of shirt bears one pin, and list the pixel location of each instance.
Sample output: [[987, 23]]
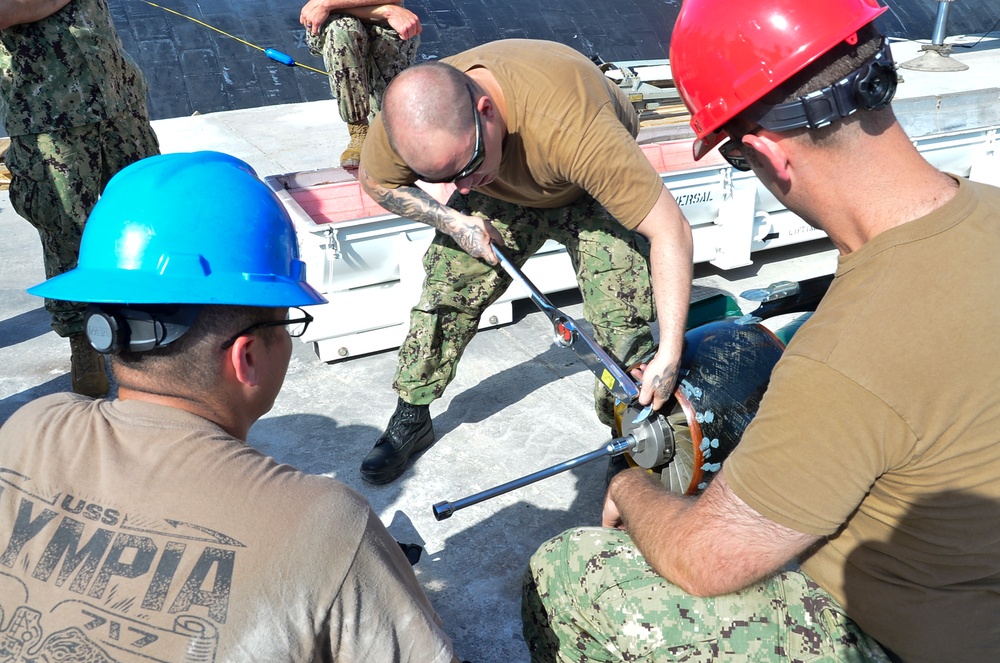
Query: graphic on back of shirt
[[83, 582]]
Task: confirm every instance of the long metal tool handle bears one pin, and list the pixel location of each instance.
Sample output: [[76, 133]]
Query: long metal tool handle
[[615, 447], [567, 332], [536, 295]]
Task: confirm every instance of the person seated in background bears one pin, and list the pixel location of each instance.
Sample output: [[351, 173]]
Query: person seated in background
[[144, 527], [363, 46]]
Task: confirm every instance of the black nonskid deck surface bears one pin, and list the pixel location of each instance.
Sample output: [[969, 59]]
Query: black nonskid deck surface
[[191, 68]]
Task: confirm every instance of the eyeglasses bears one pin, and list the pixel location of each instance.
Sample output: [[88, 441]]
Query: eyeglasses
[[732, 151], [478, 155], [296, 326]]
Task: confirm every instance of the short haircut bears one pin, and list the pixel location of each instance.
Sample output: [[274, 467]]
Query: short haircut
[[192, 361], [830, 67]]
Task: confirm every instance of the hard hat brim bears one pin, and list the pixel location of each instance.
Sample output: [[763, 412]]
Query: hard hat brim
[[85, 285]]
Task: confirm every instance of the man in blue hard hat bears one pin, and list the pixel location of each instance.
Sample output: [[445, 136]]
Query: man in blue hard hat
[[144, 527]]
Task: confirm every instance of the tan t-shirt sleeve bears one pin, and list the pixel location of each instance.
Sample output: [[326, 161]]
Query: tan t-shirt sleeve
[[611, 167], [806, 462], [381, 161]]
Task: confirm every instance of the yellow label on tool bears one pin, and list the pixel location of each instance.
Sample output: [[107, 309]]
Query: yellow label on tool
[[608, 380]]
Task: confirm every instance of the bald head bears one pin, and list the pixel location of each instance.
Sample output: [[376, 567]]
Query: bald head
[[425, 105]]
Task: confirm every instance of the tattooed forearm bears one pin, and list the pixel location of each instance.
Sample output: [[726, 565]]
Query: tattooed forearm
[[413, 203], [471, 238], [661, 384]]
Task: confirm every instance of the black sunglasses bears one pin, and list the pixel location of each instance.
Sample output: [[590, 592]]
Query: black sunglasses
[[296, 326], [478, 155], [732, 151]]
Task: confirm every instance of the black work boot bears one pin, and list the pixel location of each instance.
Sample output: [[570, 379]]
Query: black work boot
[[409, 432]]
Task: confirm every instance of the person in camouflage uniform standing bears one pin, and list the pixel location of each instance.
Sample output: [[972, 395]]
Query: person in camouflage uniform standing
[[74, 105], [529, 142], [363, 47]]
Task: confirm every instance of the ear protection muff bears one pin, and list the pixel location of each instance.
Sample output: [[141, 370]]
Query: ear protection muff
[[111, 330], [871, 87], [875, 82]]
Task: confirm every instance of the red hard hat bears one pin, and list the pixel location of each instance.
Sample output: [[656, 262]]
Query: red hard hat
[[727, 54]]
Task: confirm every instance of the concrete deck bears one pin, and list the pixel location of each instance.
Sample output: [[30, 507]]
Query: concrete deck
[[518, 404]]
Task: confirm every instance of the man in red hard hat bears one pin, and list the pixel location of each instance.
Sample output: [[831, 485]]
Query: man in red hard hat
[[859, 518]]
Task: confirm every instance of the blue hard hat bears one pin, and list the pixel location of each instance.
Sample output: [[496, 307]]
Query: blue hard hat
[[195, 228]]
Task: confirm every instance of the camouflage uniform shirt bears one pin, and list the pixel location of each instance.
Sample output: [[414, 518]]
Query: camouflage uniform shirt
[[66, 70]]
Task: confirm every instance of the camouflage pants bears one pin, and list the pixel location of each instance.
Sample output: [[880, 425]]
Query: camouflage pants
[[56, 179], [590, 596], [612, 270], [361, 59]]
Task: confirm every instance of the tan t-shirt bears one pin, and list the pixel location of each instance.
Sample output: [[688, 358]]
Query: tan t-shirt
[[570, 130], [147, 533], [881, 431]]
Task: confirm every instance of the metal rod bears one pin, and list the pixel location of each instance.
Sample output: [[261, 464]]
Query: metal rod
[[536, 295], [939, 24], [615, 447], [594, 357]]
